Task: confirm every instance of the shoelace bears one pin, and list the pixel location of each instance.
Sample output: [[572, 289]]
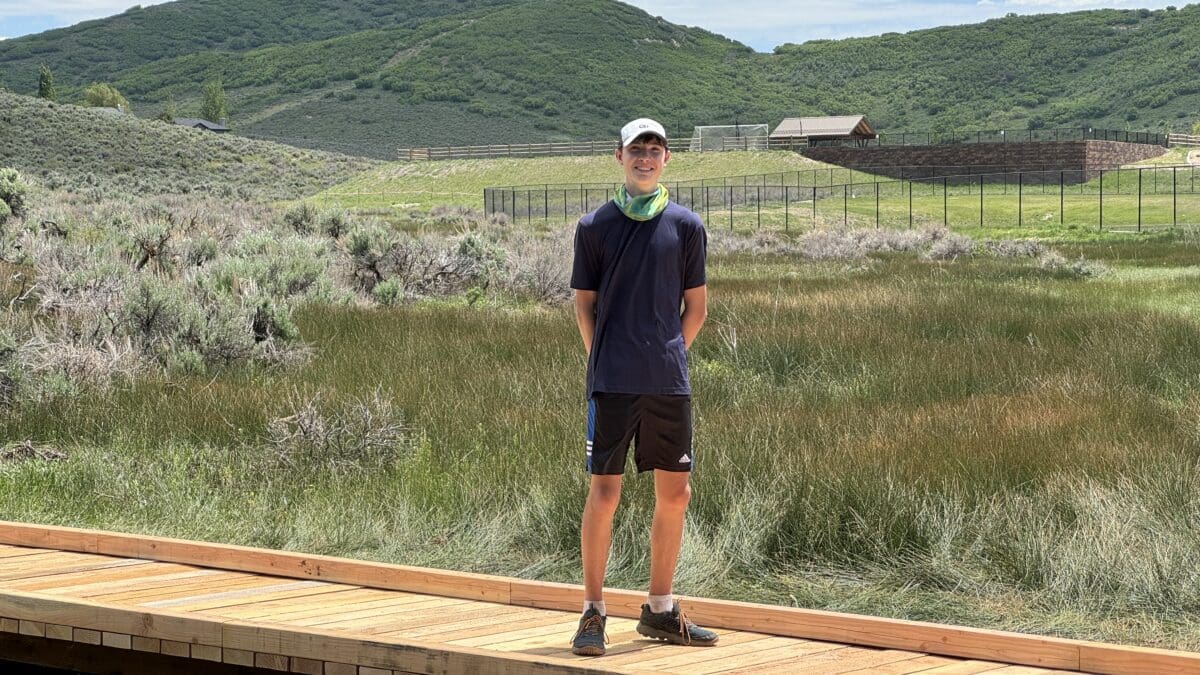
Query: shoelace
[[684, 633], [595, 620]]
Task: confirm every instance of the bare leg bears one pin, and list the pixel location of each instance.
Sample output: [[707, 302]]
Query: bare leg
[[604, 494], [671, 495]]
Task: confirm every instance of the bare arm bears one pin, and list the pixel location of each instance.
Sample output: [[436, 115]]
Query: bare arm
[[585, 316], [695, 311]]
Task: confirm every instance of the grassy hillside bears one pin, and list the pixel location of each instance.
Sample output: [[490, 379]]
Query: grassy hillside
[[452, 73], [461, 182], [84, 150]]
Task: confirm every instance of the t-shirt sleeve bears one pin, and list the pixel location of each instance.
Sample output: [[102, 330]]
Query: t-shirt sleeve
[[585, 271], [695, 250]]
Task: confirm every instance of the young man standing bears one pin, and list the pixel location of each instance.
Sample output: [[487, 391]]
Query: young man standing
[[637, 258]]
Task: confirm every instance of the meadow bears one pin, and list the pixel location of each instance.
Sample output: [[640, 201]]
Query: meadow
[[902, 423]]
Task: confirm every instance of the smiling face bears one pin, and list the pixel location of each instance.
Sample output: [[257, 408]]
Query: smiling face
[[643, 161]]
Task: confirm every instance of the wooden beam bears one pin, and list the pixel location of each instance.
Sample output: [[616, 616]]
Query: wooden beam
[[988, 645]]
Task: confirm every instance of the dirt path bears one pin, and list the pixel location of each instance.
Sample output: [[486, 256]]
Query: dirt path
[[1194, 157]]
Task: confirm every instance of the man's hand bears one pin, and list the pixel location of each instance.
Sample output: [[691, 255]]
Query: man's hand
[[695, 311], [585, 316]]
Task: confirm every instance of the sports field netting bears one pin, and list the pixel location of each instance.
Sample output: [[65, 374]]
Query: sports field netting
[[729, 136]]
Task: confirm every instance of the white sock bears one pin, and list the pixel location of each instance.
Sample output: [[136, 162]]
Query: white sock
[[597, 604], [660, 603]]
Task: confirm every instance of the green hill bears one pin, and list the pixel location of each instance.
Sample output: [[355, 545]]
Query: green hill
[[104, 153], [372, 76]]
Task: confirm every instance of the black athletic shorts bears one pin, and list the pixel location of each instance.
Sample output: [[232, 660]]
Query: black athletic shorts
[[659, 425]]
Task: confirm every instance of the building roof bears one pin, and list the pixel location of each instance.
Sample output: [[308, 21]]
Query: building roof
[[817, 127], [197, 122]]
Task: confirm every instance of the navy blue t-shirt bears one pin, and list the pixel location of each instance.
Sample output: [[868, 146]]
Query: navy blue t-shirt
[[640, 270]]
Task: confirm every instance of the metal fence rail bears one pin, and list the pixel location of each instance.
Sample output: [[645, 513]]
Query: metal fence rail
[[1106, 198]]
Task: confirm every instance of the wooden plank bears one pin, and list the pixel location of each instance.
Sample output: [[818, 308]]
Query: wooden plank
[[794, 658], [143, 644], [86, 636], [221, 594], [127, 585], [32, 628], [492, 628], [67, 569], [7, 551], [206, 653], [685, 660], [116, 640], [266, 607], [397, 602], [8, 625], [63, 582], [502, 634], [306, 666], [55, 631], [254, 596], [392, 614], [90, 615], [316, 605], [907, 667], [173, 588], [486, 615], [859, 659], [340, 668], [246, 559], [237, 657], [969, 667], [271, 661], [1103, 658], [174, 648]]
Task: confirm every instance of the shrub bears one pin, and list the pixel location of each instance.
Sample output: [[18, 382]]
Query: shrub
[[302, 218], [12, 192], [360, 433], [951, 247]]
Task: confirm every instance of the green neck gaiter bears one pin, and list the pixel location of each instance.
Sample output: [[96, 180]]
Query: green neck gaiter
[[643, 207]]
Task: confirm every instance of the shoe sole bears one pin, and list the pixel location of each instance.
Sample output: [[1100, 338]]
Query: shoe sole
[[590, 650], [673, 638]]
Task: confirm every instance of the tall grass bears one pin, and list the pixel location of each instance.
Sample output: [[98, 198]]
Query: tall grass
[[980, 441]]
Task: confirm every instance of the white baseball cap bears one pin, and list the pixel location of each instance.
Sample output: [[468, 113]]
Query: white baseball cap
[[643, 125]]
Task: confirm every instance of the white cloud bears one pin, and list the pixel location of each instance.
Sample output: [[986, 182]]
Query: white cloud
[[764, 24]]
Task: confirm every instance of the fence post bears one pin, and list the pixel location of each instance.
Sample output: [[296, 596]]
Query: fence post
[[945, 204], [786, 193], [1139, 226], [1020, 199], [1174, 197], [877, 205], [546, 203], [1061, 202], [814, 218], [845, 205], [910, 217], [758, 204], [1101, 200], [981, 200], [731, 208]]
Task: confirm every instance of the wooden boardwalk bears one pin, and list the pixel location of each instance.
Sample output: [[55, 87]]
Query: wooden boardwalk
[[329, 616]]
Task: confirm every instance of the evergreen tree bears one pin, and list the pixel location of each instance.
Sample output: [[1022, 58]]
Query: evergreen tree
[[216, 106], [46, 84], [104, 95]]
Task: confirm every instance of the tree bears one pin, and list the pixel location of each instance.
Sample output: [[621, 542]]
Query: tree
[[104, 95], [216, 106], [46, 84], [169, 112]]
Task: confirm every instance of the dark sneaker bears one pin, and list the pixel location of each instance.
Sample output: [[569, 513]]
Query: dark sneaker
[[590, 638], [674, 627]]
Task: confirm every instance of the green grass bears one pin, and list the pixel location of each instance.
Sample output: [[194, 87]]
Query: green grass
[[980, 442], [420, 185]]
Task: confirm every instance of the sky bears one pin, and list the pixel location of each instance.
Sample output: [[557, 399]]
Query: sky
[[761, 24]]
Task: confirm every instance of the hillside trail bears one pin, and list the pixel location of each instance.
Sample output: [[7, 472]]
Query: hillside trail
[[399, 57], [1194, 158]]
